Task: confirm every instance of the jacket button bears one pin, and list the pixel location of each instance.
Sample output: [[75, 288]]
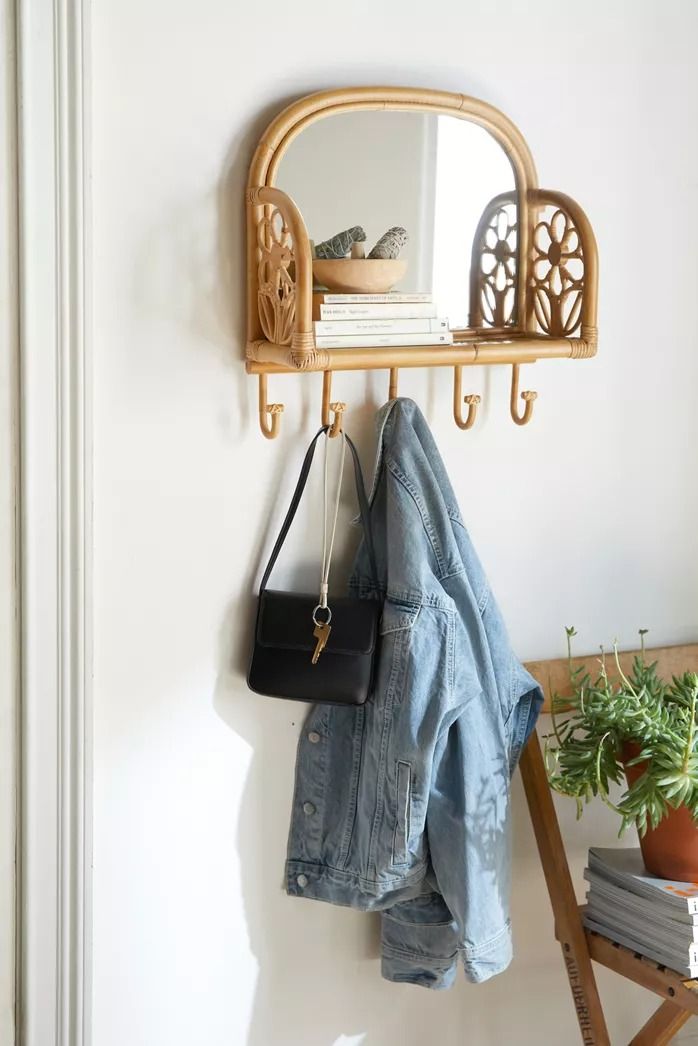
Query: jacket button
[[302, 881], [313, 737], [308, 808]]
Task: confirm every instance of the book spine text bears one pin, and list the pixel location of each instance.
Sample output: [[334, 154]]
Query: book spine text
[[340, 328], [366, 341], [390, 311]]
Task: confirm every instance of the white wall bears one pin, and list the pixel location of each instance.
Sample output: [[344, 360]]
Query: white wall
[[587, 516]]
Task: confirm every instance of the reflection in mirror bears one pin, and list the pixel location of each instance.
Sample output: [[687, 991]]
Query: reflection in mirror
[[434, 176]]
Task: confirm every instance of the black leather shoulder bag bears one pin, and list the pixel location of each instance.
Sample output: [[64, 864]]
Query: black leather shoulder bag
[[295, 654]]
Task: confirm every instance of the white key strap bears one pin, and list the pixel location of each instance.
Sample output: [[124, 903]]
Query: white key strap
[[328, 537]]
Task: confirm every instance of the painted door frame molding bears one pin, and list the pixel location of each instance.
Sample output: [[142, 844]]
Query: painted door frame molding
[[55, 469], [9, 529]]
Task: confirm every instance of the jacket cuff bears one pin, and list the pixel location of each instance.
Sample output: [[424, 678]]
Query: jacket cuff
[[425, 954], [418, 953], [522, 724], [411, 968], [491, 959]]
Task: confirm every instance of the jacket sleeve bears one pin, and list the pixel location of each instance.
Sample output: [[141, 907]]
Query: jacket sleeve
[[495, 703], [466, 915], [492, 709]]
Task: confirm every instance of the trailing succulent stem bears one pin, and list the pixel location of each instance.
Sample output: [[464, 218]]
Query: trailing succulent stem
[[605, 721]]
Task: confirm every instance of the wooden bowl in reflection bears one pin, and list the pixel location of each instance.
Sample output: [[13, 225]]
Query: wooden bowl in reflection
[[359, 275]]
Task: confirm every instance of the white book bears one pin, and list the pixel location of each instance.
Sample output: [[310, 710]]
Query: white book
[[672, 961], [370, 341], [625, 868], [350, 327], [392, 296], [634, 902], [404, 310]]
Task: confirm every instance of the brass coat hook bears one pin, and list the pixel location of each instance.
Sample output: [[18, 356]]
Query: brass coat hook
[[337, 407], [528, 398], [458, 400], [270, 425]]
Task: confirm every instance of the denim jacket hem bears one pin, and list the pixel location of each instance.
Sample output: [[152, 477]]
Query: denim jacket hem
[[322, 882], [406, 966]]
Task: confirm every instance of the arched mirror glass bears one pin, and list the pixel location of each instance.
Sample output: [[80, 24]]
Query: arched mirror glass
[[444, 180]]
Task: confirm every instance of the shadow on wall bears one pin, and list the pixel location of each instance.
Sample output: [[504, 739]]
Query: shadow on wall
[[311, 957], [319, 981]]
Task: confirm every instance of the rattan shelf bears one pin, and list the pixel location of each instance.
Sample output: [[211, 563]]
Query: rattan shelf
[[547, 310]]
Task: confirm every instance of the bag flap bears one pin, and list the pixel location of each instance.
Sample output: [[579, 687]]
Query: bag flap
[[285, 622]]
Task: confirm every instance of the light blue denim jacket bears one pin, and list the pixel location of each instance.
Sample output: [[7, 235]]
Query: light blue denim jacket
[[403, 804]]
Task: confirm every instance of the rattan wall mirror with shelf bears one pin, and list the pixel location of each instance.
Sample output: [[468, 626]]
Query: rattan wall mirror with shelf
[[513, 267]]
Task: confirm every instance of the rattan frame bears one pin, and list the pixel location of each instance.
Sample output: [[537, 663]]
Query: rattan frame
[[279, 306]]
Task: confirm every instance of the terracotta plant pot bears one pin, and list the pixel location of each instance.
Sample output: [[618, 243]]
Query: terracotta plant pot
[[670, 851]]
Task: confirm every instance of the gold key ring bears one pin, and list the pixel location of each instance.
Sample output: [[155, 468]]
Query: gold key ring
[[329, 615]]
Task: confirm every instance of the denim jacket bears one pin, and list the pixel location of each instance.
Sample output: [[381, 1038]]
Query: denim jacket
[[403, 804]]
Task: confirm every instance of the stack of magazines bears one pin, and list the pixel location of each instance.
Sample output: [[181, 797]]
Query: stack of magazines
[[657, 918], [347, 321]]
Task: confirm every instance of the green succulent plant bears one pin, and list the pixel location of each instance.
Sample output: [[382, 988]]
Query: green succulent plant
[[584, 752]]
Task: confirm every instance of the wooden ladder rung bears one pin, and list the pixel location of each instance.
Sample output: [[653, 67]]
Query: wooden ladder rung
[[638, 968], [662, 1026]]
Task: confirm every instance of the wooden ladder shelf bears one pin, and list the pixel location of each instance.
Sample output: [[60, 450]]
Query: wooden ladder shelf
[[581, 947]]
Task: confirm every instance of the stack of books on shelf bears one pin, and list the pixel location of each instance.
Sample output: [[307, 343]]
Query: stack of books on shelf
[[348, 321], [657, 918]]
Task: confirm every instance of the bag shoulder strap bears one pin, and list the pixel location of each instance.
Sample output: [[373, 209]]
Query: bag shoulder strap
[[295, 501]]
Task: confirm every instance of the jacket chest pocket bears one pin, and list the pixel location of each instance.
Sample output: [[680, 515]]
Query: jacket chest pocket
[[401, 834]]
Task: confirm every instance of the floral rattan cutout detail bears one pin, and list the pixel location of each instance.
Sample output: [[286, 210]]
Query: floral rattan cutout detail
[[497, 249], [558, 275], [277, 290]]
